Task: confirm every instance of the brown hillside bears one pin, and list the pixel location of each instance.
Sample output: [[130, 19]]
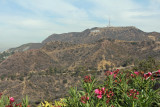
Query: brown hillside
[[67, 56]]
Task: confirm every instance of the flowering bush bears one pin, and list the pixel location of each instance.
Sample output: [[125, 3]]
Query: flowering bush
[[6, 101], [130, 89]]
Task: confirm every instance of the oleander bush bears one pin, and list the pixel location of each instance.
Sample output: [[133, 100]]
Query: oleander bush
[[120, 89], [6, 101]]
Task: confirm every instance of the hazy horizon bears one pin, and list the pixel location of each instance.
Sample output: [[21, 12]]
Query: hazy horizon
[[31, 21]]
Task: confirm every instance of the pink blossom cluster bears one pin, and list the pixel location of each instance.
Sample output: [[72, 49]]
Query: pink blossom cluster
[[114, 73], [136, 73], [158, 72], [109, 95], [146, 76], [84, 99], [133, 93], [99, 92], [11, 99], [87, 79]]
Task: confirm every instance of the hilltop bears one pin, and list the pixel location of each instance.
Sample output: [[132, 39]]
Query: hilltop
[[92, 35]]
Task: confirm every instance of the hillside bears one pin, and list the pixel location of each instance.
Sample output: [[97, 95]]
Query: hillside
[[69, 56], [44, 71], [25, 72], [25, 47]]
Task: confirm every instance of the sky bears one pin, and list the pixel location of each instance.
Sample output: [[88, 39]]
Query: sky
[[31, 21]]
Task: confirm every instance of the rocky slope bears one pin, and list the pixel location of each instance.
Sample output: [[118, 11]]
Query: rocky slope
[[67, 56]]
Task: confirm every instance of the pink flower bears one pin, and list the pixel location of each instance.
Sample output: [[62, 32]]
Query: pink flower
[[87, 98], [133, 93], [99, 92], [87, 79], [146, 76], [84, 99], [99, 96], [109, 94], [149, 73], [158, 72], [83, 102], [116, 71], [137, 93], [114, 75], [108, 73], [132, 75], [11, 99], [103, 90], [111, 73], [96, 91], [136, 72]]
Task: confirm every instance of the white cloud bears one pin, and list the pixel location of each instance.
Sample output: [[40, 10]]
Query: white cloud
[[54, 7], [59, 11]]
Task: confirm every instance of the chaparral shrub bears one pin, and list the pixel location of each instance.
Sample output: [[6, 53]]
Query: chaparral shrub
[[60, 103], [120, 89]]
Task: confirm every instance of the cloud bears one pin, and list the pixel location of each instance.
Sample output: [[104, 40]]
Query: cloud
[[65, 13], [128, 12], [55, 12], [25, 21], [59, 8]]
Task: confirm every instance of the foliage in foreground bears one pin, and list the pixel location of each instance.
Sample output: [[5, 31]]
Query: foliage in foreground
[[6, 101], [119, 89], [132, 89], [60, 103]]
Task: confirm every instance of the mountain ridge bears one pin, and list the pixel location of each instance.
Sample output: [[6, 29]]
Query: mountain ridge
[[128, 33]]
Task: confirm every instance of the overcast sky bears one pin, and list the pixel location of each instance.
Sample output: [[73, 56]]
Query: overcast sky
[[24, 21]]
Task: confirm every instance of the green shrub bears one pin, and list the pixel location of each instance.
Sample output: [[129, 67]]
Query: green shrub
[[120, 89], [6, 101]]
